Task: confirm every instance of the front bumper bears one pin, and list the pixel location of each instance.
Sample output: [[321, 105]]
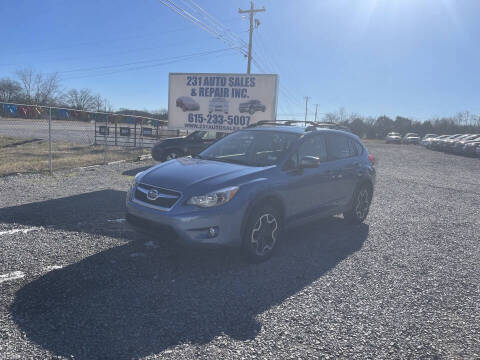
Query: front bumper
[[190, 225]]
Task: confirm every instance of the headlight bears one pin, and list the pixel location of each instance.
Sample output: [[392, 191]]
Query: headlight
[[214, 198]]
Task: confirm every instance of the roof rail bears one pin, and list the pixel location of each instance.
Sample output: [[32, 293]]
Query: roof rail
[[313, 125]]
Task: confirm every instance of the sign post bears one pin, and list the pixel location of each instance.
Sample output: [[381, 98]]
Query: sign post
[[220, 102], [50, 167]]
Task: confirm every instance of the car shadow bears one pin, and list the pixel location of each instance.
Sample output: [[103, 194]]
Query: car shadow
[[115, 305], [97, 212]]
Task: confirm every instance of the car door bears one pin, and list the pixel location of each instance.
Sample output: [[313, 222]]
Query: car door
[[309, 191], [344, 166]]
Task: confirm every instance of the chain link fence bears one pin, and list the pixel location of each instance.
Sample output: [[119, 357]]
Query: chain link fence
[[41, 138]]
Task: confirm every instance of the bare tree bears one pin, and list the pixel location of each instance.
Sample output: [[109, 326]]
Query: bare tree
[[81, 99], [342, 114], [98, 103], [10, 90], [331, 117], [39, 88]]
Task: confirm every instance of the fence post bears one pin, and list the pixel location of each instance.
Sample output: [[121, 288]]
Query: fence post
[[95, 129], [141, 133], [50, 142], [135, 133], [105, 141], [116, 120]]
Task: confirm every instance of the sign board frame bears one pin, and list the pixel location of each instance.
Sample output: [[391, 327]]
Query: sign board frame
[[228, 121]]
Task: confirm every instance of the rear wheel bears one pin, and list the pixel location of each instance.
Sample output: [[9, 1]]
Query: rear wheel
[[262, 234], [171, 154], [360, 205]]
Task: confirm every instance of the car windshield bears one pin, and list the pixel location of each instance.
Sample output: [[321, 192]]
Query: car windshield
[[252, 148]]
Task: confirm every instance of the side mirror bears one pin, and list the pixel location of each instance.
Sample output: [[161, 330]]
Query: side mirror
[[309, 162]]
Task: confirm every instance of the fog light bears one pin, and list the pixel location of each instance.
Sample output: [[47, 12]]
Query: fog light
[[213, 231]]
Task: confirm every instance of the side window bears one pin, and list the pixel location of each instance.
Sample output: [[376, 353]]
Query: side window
[[271, 147], [358, 147], [312, 146], [340, 147], [209, 135]]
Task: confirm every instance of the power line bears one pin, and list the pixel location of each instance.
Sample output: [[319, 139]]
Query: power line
[[173, 60], [142, 62], [202, 25]]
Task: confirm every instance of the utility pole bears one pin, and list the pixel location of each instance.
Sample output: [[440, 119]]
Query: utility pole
[[250, 12], [306, 108], [316, 108]]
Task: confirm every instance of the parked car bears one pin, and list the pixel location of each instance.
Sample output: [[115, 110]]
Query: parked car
[[393, 137], [427, 138], [191, 144], [434, 143], [450, 143], [246, 188], [411, 138], [459, 144], [439, 143], [251, 106], [218, 105], [470, 148], [187, 104]]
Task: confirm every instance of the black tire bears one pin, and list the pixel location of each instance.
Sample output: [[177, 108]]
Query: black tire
[[170, 154], [251, 110], [262, 234], [361, 201]]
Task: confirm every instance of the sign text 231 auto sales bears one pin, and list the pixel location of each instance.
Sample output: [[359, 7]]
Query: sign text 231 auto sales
[[220, 102]]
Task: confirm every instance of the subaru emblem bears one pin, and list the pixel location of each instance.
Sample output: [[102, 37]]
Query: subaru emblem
[[152, 195]]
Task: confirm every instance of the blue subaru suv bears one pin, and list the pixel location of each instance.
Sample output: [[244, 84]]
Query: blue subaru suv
[[247, 187]]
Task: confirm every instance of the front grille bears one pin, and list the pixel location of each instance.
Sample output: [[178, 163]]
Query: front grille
[[165, 198]]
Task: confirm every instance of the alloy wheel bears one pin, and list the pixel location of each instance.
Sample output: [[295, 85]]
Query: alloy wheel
[[172, 155], [264, 234], [362, 205]]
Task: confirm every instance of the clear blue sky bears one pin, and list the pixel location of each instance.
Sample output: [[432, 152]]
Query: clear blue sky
[[418, 58]]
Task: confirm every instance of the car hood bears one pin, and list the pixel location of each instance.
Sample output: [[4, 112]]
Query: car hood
[[181, 174], [168, 141]]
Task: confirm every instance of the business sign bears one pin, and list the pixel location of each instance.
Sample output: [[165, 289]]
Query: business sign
[[124, 131], [103, 130], [147, 131], [220, 102]]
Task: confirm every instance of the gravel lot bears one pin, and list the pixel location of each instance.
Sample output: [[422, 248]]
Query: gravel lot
[[406, 284]]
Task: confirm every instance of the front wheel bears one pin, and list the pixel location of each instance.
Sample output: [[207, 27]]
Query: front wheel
[[360, 205], [170, 154], [262, 234]]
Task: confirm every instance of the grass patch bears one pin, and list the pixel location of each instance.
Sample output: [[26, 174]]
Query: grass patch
[[33, 156]]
